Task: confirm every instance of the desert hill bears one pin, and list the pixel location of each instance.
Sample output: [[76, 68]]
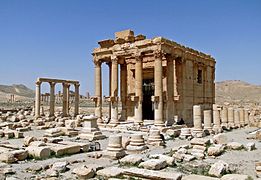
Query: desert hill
[[237, 91]]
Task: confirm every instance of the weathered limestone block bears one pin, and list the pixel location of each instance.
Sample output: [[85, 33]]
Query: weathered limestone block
[[154, 164], [169, 160], [60, 166], [28, 140], [150, 174], [218, 169], [54, 132], [185, 133], [200, 141], [258, 168], [198, 177], [251, 146], [215, 150], [235, 146], [18, 134], [110, 172], [42, 152], [63, 149], [20, 155], [133, 159], [235, 177], [188, 157], [84, 172], [220, 139], [7, 157]]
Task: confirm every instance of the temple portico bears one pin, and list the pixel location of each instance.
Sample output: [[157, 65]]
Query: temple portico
[[66, 95], [157, 79]]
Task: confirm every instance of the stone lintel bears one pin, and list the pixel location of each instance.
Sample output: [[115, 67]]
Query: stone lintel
[[49, 80]]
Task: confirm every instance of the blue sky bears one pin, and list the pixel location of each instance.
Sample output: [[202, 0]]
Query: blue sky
[[55, 38]]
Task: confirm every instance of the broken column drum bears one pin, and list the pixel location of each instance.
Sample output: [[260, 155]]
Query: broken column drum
[[114, 149], [230, 115], [208, 120], [137, 144], [197, 130]]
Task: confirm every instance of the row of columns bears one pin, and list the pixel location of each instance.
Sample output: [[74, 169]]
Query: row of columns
[[138, 98], [222, 118], [66, 95]]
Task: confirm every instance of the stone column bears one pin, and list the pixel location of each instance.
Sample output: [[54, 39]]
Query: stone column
[[65, 99], [216, 119], [207, 120], [98, 91], [158, 92], [114, 91], [236, 118], [138, 89], [123, 75], [170, 91], [37, 99], [246, 116], [224, 116], [77, 99], [230, 114], [109, 65], [241, 117], [52, 99], [197, 130], [68, 100]]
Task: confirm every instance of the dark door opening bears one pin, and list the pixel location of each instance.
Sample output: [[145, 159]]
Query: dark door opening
[[147, 105]]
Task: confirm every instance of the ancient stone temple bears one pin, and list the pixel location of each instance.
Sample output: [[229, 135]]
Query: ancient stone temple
[[158, 79]]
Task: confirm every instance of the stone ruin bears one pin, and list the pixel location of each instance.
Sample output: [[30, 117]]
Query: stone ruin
[[177, 82]]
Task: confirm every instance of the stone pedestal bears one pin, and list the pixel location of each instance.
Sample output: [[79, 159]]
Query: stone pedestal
[[236, 118], [114, 149], [224, 118], [208, 120], [230, 114], [136, 145], [197, 130], [90, 129], [185, 133], [154, 137]]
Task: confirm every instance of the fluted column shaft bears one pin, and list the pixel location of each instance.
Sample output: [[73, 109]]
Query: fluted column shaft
[[158, 92], [207, 119], [114, 91], [98, 91], [52, 99], [138, 89], [77, 99], [37, 99]]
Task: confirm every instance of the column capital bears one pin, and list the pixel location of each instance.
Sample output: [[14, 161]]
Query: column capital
[[38, 83], [114, 59], [138, 56], [77, 85], [52, 84], [66, 84], [158, 54]]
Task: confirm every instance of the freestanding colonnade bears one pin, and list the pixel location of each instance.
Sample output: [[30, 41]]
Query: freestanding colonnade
[[66, 92]]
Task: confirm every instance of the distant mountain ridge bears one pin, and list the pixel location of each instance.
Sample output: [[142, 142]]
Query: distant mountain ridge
[[237, 91], [17, 89]]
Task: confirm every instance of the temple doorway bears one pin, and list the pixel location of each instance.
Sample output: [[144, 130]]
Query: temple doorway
[[147, 105]]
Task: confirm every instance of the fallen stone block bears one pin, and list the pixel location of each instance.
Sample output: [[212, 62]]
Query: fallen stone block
[[236, 177], [218, 169], [83, 172], [20, 155], [235, 146], [60, 166], [150, 174], [28, 140], [220, 139], [169, 160], [64, 149], [42, 152], [110, 172], [154, 164], [215, 150], [132, 159], [7, 157], [251, 146], [188, 157], [200, 141], [198, 177]]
